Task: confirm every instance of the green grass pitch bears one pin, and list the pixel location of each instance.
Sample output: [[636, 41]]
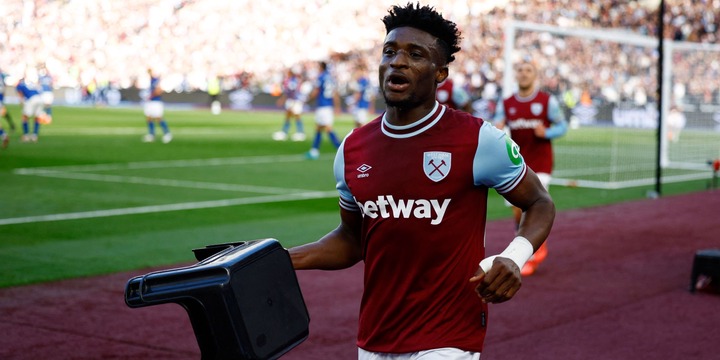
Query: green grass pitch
[[90, 198]]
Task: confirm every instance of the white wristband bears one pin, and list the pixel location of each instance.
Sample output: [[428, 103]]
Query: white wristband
[[519, 251]]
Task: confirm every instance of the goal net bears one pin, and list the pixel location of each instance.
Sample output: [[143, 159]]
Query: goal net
[[606, 82]]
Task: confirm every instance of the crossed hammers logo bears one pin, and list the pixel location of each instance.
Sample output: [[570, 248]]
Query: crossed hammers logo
[[436, 168]]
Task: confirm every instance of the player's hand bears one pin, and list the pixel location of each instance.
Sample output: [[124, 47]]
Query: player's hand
[[540, 131], [500, 284]]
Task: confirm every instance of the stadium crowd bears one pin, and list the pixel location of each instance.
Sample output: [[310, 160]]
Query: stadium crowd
[[86, 43]]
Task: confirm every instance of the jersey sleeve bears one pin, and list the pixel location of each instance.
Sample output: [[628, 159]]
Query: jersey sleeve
[[557, 118], [497, 163], [460, 96], [499, 112], [347, 200]]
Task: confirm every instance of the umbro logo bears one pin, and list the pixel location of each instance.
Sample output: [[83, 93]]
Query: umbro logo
[[363, 169]]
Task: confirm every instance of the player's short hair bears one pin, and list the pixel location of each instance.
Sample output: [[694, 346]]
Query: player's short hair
[[527, 59], [425, 18]]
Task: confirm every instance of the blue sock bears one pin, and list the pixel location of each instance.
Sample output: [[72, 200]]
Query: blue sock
[[151, 128], [286, 126], [164, 126], [36, 127], [2, 132], [316, 141], [26, 127], [48, 111], [299, 126], [334, 139]]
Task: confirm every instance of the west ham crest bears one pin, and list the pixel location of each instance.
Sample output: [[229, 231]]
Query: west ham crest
[[536, 108], [436, 164]]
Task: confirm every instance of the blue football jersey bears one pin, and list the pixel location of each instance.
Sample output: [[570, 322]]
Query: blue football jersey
[[46, 83], [326, 85], [154, 84], [366, 94], [26, 90]]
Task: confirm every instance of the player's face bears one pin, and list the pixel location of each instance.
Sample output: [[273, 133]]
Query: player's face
[[410, 68], [526, 76]]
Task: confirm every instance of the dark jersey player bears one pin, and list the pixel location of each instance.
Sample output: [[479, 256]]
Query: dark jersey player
[[413, 187]]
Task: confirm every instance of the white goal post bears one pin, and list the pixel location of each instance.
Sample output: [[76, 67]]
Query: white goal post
[[618, 148]]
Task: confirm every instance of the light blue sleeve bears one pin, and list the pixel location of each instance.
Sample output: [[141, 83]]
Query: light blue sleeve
[[557, 118], [499, 112], [498, 163], [460, 96], [347, 200]]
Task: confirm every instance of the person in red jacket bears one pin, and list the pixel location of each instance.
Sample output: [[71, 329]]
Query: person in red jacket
[[533, 119]]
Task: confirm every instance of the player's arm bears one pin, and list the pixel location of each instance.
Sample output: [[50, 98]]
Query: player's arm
[[557, 119], [499, 117], [281, 100], [502, 280], [338, 249], [499, 164], [313, 93], [537, 206], [157, 91], [336, 102], [499, 276], [20, 95], [371, 108]]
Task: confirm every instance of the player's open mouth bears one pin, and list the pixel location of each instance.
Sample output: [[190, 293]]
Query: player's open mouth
[[397, 82]]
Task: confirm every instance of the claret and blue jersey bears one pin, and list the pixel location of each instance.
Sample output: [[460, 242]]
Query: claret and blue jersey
[[419, 188]]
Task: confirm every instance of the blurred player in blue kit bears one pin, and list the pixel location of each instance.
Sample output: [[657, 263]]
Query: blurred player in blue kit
[[4, 138], [3, 110], [32, 107], [328, 104], [46, 93], [293, 100], [154, 111], [363, 97]]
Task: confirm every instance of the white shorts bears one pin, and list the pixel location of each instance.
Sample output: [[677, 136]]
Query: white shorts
[[544, 180], [294, 106], [324, 116], [432, 354], [33, 106], [360, 115], [47, 98], [154, 109]]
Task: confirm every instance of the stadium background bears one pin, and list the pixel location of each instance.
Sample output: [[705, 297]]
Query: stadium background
[[90, 200]]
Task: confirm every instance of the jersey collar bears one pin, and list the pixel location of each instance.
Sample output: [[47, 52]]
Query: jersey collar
[[417, 127]]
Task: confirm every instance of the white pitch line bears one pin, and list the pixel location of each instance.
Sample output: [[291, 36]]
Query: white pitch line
[[168, 182], [170, 207], [166, 164]]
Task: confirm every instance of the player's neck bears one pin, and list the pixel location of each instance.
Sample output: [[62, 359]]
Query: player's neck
[[526, 92], [404, 116]]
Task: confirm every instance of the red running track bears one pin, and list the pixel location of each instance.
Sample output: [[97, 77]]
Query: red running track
[[615, 286]]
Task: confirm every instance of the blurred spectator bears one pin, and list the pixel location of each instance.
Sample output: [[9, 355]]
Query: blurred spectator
[[83, 41]]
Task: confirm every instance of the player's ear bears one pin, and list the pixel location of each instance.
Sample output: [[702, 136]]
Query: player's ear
[[441, 74]]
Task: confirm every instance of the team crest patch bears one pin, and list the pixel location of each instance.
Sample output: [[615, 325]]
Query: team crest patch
[[436, 164], [536, 108]]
